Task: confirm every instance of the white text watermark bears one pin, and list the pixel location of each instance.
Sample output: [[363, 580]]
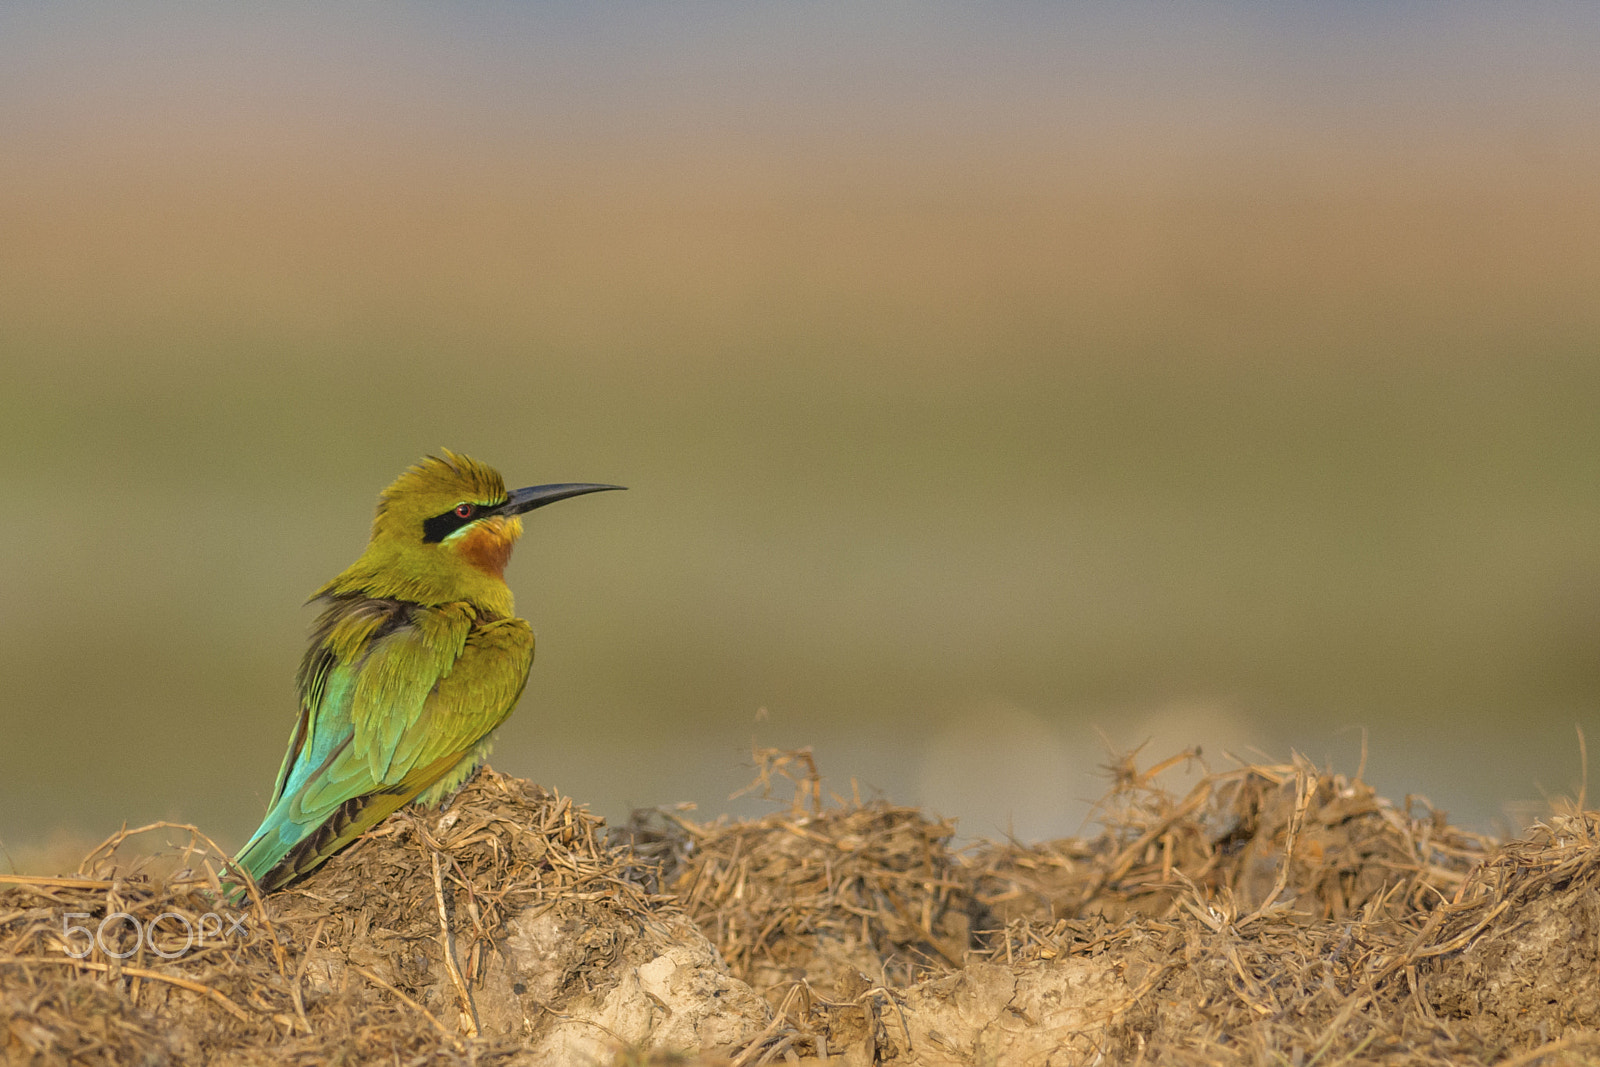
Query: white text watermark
[[159, 934]]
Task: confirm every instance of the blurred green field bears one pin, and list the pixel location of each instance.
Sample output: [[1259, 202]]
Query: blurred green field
[[950, 444]]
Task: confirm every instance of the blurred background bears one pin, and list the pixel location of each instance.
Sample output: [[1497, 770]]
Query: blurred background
[[994, 384]]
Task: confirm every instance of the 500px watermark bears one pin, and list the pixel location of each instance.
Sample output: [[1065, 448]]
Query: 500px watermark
[[80, 941]]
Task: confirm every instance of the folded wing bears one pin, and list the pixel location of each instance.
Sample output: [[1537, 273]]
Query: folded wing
[[395, 699]]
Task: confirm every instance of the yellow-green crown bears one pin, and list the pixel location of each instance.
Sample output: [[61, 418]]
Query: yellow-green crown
[[437, 484]]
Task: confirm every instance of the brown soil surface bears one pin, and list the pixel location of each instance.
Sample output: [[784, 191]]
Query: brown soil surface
[[1272, 914]]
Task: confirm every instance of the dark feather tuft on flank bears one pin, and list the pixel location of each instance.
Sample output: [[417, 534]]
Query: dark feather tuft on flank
[[385, 617]]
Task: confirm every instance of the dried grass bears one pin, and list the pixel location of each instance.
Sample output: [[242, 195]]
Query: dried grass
[[251, 994], [826, 893], [1270, 914]]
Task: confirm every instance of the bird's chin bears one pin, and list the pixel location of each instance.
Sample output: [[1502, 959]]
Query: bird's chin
[[488, 545]]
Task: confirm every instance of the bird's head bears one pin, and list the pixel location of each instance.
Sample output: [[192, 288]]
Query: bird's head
[[444, 532]]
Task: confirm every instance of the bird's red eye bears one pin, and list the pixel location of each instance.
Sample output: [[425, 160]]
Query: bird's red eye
[[465, 511]]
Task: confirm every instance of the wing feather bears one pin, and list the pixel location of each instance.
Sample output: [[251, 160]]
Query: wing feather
[[394, 696]]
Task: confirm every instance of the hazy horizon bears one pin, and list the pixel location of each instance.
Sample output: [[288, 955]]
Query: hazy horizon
[[984, 379]]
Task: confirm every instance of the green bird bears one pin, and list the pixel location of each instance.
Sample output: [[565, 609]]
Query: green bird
[[415, 661]]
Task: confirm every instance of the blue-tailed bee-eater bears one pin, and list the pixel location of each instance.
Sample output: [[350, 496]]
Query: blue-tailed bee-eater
[[415, 661]]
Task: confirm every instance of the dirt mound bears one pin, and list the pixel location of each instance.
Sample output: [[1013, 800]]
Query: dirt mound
[[819, 894], [1517, 961], [1271, 914], [506, 930]]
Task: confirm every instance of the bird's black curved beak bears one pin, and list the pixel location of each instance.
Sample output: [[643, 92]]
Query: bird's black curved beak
[[537, 496]]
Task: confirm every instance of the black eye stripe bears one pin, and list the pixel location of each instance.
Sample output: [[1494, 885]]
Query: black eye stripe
[[439, 527]]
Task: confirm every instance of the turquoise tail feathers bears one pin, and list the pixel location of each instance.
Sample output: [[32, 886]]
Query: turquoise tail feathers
[[283, 849], [267, 848]]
